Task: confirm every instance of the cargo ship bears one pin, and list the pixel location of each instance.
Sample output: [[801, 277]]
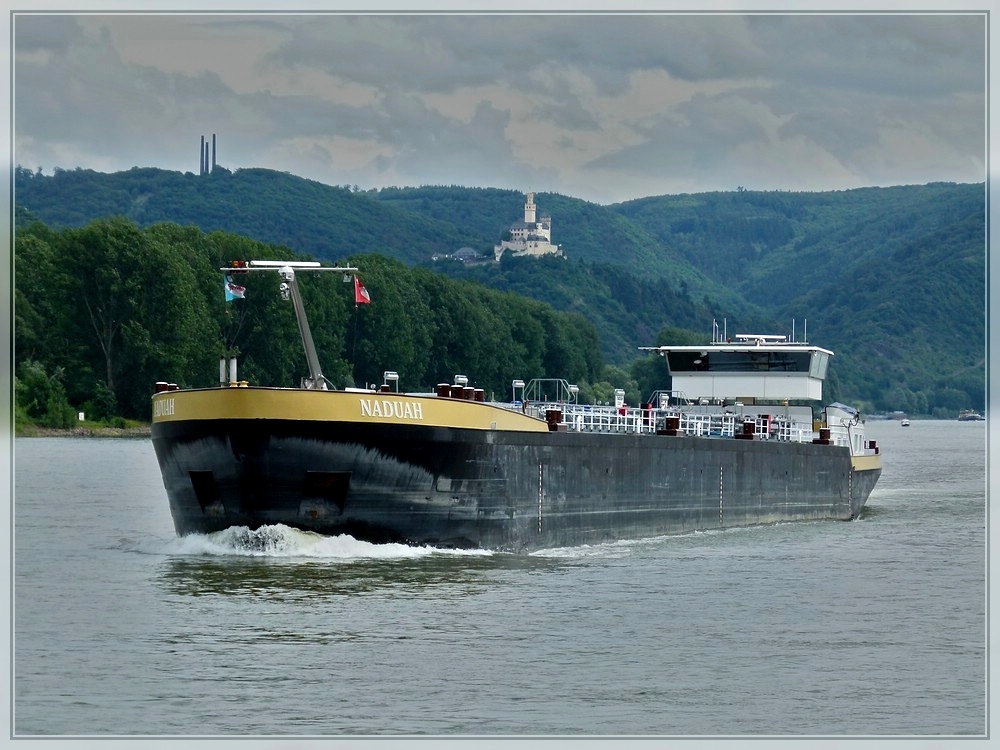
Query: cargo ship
[[733, 442]]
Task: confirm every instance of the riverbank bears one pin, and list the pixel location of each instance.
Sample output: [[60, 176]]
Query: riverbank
[[101, 431]]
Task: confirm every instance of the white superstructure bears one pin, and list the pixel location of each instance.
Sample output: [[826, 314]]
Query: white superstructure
[[753, 367]]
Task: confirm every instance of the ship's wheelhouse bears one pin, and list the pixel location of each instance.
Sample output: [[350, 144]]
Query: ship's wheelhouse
[[764, 370]]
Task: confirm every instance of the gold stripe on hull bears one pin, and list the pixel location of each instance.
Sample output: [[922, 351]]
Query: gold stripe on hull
[[866, 463], [336, 406]]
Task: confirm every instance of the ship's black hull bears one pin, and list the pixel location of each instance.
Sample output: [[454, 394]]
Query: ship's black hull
[[507, 490]]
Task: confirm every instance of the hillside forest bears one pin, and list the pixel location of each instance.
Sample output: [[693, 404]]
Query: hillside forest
[[117, 285], [105, 311]]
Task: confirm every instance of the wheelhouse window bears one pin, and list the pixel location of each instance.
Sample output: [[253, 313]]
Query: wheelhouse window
[[819, 364], [746, 361]]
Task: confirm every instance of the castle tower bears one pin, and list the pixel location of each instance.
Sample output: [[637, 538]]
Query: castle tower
[[529, 209]]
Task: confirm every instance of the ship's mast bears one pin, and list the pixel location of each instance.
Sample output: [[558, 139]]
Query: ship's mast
[[289, 284], [290, 290]]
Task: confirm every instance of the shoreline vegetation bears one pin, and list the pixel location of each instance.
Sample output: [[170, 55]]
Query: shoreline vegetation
[[94, 430]]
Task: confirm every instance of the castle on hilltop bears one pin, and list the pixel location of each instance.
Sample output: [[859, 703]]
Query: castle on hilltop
[[529, 237]]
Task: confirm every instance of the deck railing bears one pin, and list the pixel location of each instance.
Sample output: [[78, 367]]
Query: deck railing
[[725, 424], [596, 418]]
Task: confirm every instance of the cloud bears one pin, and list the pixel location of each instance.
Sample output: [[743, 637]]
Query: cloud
[[49, 33], [604, 107], [894, 55]]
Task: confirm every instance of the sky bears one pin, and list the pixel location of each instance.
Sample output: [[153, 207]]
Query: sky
[[601, 106]]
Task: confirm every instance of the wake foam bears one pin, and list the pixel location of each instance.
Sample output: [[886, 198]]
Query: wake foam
[[627, 547], [282, 541]]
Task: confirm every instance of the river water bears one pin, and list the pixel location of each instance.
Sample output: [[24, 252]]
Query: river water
[[863, 629]]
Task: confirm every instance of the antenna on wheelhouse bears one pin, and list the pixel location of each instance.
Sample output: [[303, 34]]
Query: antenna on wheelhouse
[[716, 338]]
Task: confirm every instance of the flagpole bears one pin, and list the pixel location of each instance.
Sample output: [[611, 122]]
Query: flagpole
[[354, 338], [360, 296]]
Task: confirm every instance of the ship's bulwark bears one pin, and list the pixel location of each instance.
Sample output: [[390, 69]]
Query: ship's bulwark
[[512, 491]]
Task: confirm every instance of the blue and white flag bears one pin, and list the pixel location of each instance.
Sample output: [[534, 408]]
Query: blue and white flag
[[233, 290]]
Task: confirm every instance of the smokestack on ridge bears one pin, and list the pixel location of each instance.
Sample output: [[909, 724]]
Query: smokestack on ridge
[[201, 157], [213, 152]]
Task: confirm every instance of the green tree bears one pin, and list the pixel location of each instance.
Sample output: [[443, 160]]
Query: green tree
[[104, 260], [395, 331], [102, 406], [650, 374], [39, 397]]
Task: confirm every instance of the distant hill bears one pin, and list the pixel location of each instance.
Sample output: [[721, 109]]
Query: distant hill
[[773, 247], [273, 207], [892, 279], [329, 222], [411, 225]]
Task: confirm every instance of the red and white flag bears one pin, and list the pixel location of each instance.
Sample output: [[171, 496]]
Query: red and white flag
[[361, 296]]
